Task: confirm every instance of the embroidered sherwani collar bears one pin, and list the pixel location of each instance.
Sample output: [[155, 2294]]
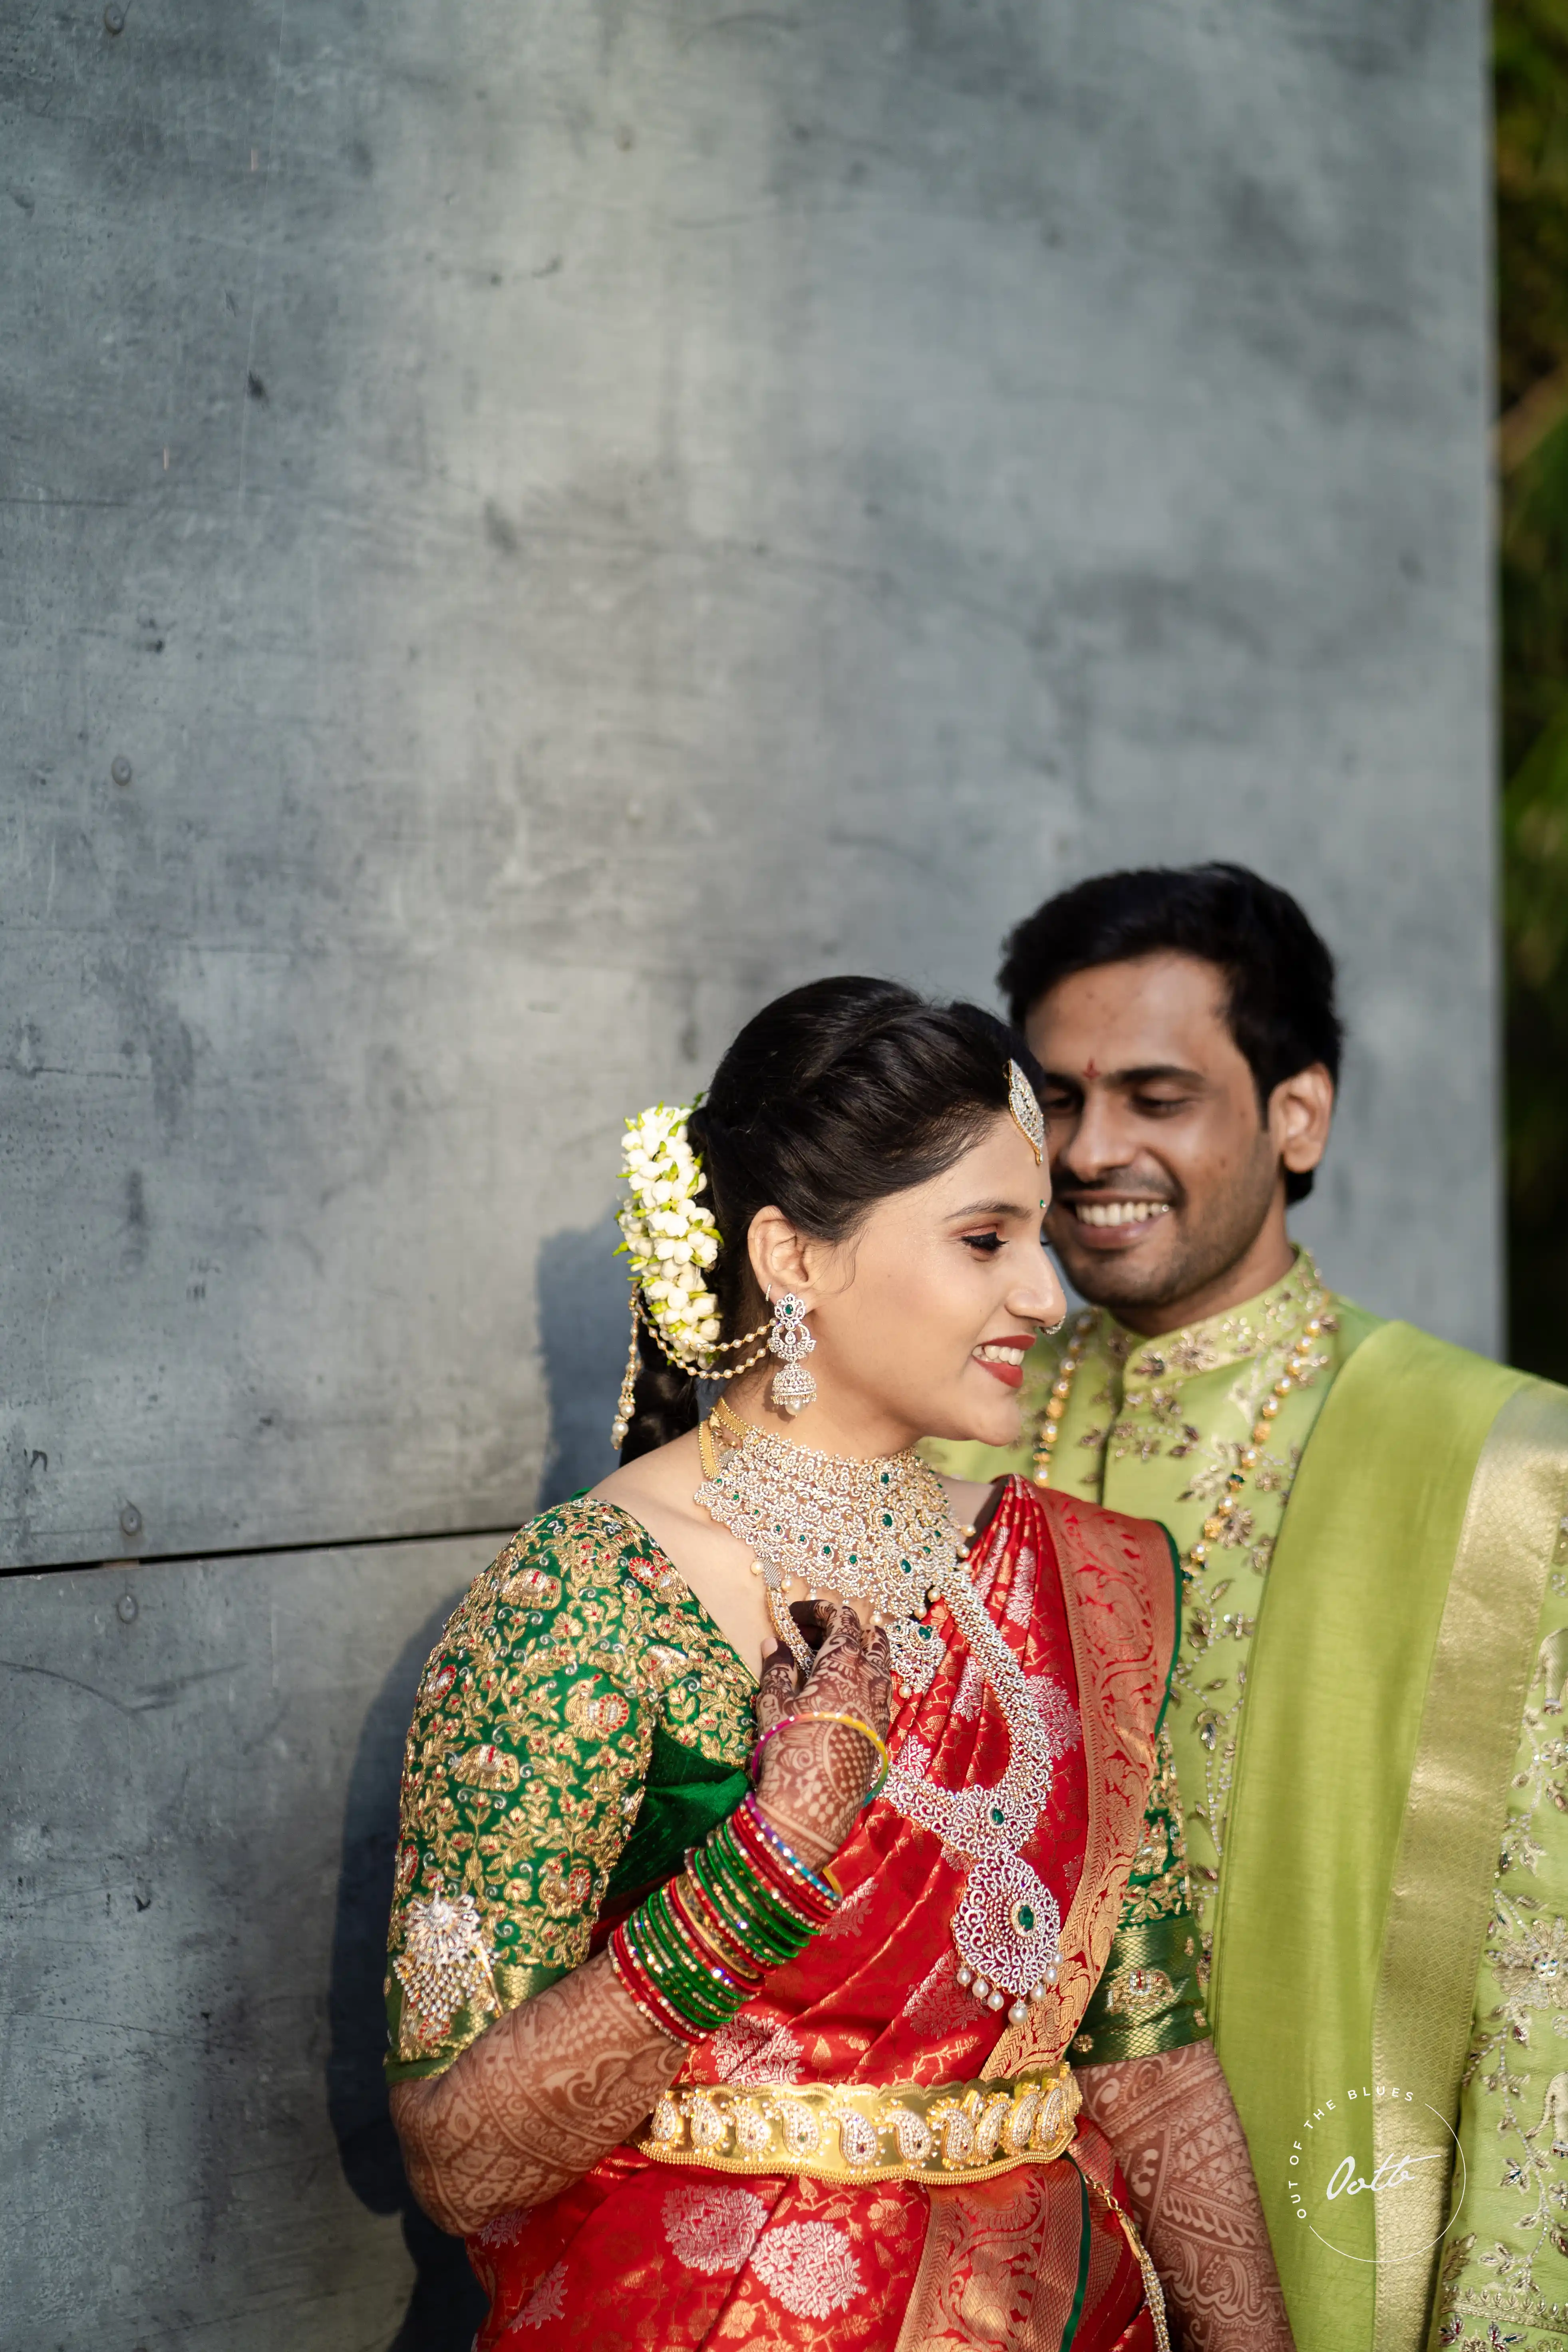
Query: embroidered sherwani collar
[[1241, 1333]]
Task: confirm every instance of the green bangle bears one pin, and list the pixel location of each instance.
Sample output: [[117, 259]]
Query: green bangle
[[693, 1971], [750, 1934], [731, 1858], [686, 1974], [715, 1992], [694, 1981], [674, 1977], [743, 1906], [743, 1916], [677, 1982]]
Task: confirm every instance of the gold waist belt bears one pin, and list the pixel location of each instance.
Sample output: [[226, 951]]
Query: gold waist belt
[[868, 2131]]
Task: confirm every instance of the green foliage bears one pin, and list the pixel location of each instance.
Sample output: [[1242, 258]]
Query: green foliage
[[1531, 62]]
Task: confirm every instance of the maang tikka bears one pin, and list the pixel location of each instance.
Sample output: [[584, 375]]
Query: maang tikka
[[793, 1386], [1027, 1117]]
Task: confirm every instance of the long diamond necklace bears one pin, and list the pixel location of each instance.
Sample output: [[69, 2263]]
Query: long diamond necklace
[[879, 1531]]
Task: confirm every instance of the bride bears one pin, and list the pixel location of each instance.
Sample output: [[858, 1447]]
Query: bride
[[768, 1811]]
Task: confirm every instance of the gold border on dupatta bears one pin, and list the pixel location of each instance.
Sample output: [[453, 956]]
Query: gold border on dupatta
[[1440, 1896], [1122, 1617], [1121, 1620]]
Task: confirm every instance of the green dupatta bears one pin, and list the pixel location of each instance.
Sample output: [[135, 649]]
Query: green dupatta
[[1392, 1655]]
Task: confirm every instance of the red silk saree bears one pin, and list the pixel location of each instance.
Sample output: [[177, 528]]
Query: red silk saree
[[869, 2155]]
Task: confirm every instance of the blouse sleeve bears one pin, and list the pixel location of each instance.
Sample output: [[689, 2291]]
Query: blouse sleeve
[[1150, 1998], [524, 1774]]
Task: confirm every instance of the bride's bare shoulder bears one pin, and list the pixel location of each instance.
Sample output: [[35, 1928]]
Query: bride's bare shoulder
[[667, 1475]]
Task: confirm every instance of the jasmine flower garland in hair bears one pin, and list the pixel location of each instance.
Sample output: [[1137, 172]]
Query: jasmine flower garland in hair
[[671, 1239], [667, 1232]]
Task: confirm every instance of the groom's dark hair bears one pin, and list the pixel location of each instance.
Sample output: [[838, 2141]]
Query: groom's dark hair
[[1279, 975]]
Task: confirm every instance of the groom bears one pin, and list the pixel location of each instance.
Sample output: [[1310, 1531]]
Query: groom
[[1365, 1709]]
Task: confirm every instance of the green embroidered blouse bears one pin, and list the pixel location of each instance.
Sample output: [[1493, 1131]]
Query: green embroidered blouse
[[582, 1721]]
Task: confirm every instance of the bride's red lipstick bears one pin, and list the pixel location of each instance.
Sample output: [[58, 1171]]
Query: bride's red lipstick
[[1010, 1375]]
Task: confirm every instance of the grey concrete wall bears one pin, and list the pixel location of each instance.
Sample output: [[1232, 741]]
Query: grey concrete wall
[[576, 516], [201, 1793], [522, 532]]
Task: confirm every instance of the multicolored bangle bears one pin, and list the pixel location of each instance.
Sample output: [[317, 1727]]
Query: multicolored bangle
[[814, 1896], [702, 1946], [827, 1715]]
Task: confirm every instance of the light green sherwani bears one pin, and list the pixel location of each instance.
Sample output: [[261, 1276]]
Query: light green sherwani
[[1376, 1799]]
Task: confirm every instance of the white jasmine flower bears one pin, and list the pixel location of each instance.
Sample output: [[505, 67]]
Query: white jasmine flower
[[669, 1235]]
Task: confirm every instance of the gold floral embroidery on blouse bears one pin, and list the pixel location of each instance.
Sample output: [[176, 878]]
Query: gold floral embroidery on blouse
[[526, 1762]]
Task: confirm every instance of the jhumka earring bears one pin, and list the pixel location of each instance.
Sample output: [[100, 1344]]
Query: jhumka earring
[[793, 1386]]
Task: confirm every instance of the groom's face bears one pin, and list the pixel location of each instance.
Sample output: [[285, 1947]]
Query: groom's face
[[1162, 1164]]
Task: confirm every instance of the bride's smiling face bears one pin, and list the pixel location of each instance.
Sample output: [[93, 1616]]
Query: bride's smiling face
[[922, 1317]]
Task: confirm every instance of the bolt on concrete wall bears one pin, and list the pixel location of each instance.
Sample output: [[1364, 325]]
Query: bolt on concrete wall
[[527, 529]]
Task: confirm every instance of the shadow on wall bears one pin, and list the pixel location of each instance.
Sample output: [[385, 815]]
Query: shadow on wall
[[583, 1318], [446, 2305], [583, 1329]]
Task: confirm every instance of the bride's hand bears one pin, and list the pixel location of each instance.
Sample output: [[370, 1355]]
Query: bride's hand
[[814, 1774]]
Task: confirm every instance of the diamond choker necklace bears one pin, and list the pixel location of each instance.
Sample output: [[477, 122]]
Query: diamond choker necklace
[[876, 1531]]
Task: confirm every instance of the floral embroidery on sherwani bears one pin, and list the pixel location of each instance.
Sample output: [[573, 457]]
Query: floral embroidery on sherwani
[[1505, 2276], [1157, 1427]]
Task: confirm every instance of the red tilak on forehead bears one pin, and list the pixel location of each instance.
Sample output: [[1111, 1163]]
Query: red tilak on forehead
[[1089, 1071]]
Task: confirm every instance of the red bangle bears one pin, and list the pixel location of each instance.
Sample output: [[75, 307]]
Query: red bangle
[[799, 1902], [825, 1888], [798, 1895], [640, 1988]]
